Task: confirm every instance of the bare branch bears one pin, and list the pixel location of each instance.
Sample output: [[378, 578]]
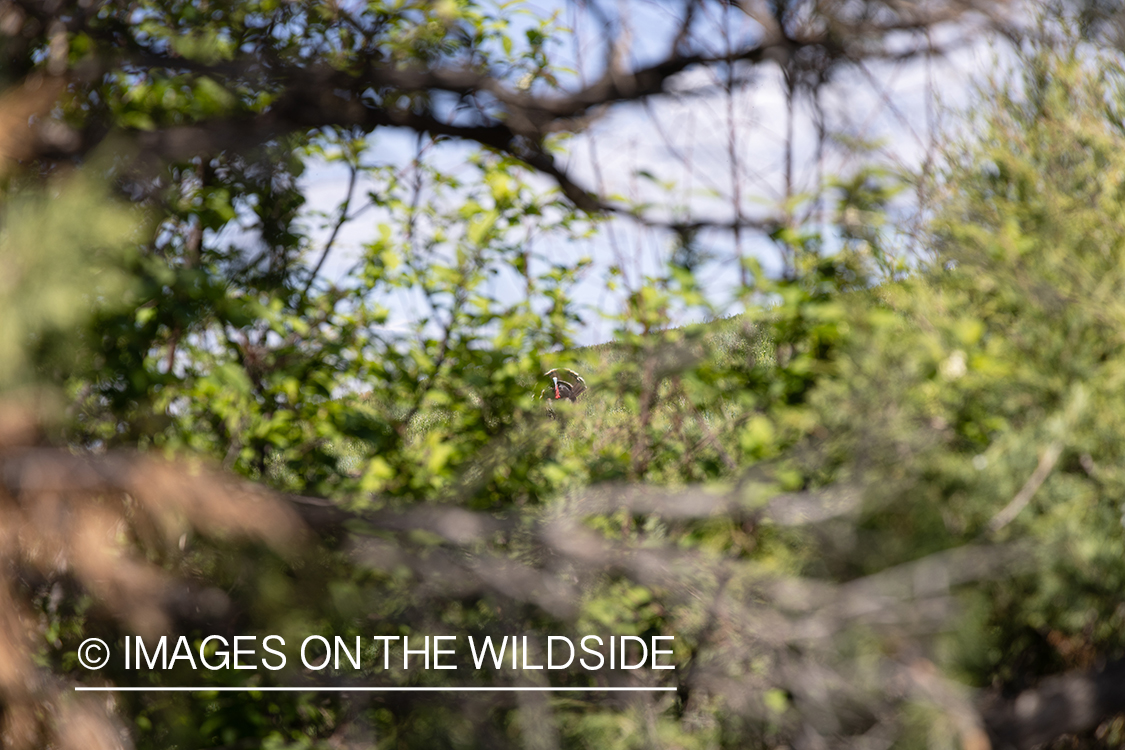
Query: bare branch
[[1046, 463], [1066, 704]]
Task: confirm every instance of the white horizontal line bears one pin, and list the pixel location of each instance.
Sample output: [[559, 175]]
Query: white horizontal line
[[287, 689]]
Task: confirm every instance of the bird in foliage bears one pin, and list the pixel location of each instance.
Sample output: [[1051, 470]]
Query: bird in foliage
[[565, 384]]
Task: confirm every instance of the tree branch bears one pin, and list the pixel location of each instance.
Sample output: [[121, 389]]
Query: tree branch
[[1066, 704]]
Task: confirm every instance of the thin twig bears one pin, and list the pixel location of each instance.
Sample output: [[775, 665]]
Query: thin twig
[[1031, 486], [340, 221]]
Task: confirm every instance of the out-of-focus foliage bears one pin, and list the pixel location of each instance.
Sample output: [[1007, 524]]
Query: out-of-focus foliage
[[62, 252], [884, 486], [1022, 349]]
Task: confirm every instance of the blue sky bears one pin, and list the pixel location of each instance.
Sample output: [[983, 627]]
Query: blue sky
[[684, 141]]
